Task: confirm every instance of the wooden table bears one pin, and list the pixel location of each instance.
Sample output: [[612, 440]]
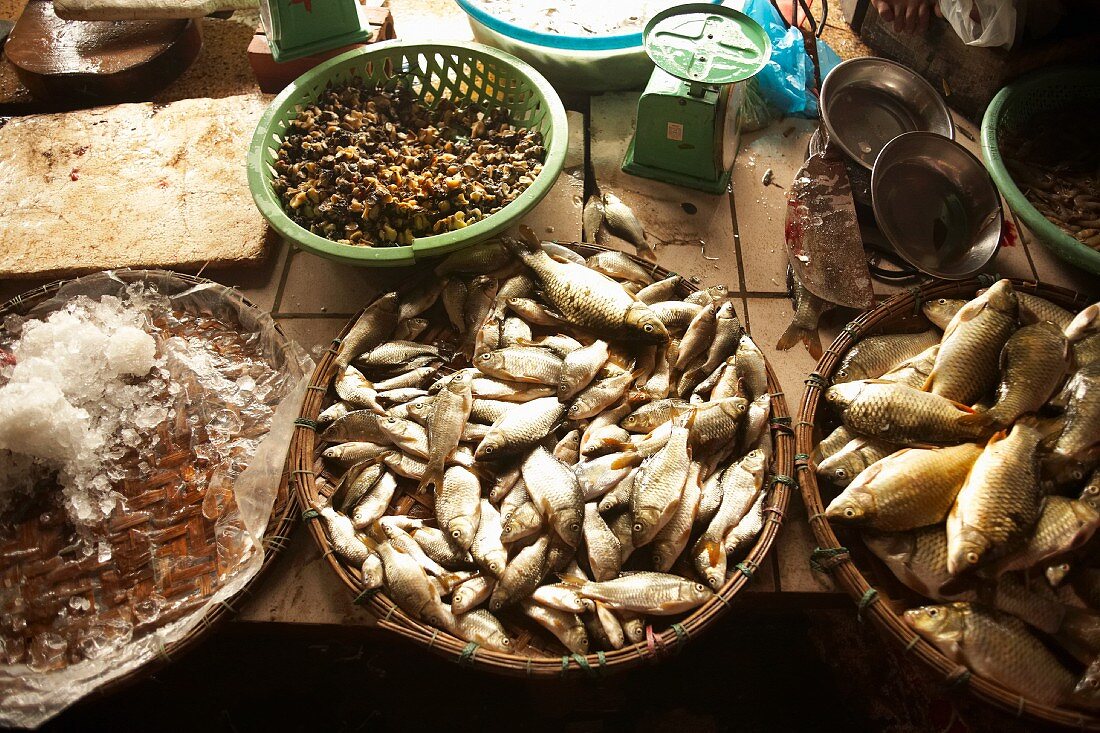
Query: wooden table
[[312, 298]]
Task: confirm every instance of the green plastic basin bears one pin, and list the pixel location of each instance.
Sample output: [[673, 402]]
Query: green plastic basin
[[1012, 109], [468, 71]]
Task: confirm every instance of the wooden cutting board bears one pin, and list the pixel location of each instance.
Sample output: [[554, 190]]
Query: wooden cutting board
[[83, 63], [132, 185]]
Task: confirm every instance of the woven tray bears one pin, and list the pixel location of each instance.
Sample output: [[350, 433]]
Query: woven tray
[[307, 467], [178, 540], [878, 595]]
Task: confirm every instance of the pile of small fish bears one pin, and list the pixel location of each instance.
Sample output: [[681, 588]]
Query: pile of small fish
[[971, 464], [600, 462]]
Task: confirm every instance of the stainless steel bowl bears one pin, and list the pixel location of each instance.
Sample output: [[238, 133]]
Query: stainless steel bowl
[[867, 102], [936, 204]]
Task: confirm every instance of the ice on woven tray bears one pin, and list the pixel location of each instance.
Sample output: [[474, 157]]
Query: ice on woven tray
[[145, 410]]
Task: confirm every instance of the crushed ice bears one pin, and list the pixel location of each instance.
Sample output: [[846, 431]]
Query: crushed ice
[[75, 397]]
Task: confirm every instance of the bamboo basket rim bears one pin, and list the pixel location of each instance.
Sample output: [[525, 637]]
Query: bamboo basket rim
[[832, 557], [658, 644], [276, 535]]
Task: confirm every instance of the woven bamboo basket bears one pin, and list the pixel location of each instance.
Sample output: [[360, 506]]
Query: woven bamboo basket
[[312, 482], [184, 539], [878, 595]]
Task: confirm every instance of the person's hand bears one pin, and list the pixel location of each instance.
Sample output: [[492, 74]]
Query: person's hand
[[907, 16]]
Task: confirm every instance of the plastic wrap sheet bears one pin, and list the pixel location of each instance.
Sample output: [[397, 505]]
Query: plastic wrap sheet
[[81, 606]]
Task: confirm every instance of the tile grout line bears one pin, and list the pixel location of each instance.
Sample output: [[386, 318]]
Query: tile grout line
[[1023, 243], [304, 316], [291, 251], [731, 198]]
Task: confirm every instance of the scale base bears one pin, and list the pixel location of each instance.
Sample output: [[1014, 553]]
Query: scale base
[[283, 53], [709, 185]]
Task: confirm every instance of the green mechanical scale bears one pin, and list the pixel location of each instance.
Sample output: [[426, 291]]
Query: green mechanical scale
[[687, 116], [297, 28]]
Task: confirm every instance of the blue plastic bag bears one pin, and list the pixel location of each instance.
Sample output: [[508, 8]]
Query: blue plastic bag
[[785, 81]]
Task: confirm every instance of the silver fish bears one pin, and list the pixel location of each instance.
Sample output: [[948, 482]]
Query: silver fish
[[522, 575], [592, 218], [449, 414], [658, 594], [487, 550], [590, 299], [556, 492], [622, 222], [458, 505], [484, 628], [567, 627], [374, 326]]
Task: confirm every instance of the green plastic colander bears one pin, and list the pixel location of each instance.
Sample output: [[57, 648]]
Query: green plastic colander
[[1012, 109], [468, 71]]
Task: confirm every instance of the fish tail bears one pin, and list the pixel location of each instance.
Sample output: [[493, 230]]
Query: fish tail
[[521, 246], [645, 250], [433, 477], [812, 339], [796, 333]]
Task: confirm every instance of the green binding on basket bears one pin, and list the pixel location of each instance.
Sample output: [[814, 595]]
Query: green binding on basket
[[824, 559], [467, 654], [866, 600], [467, 70]]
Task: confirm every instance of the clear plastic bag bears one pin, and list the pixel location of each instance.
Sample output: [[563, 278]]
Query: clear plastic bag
[[83, 605], [997, 27]]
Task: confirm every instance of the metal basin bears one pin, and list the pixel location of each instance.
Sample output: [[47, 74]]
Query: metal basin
[[867, 102], [936, 204]]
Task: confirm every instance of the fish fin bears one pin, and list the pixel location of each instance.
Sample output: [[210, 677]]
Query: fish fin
[[927, 386], [714, 552], [965, 408], [629, 455], [571, 579], [683, 416], [968, 312]]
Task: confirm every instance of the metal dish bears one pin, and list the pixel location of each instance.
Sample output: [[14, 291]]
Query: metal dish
[[937, 205], [867, 102]]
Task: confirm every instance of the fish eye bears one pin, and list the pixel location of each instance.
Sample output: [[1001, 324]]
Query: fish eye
[[574, 527], [506, 641], [456, 533], [841, 473], [842, 372], [700, 586], [488, 449], [850, 512], [942, 301], [574, 410], [933, 612], [648, 328], [637, 527], [972, 557]]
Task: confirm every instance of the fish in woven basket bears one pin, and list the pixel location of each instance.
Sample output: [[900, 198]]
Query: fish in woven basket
[[973, 472], [584, 452]]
